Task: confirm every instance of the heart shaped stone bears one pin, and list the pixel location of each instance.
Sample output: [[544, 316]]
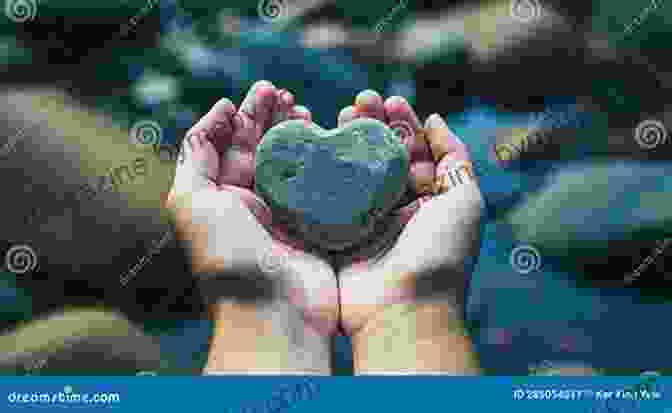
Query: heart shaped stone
[[332, 186]]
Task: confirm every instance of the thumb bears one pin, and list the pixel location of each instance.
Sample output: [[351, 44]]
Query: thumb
[[449, 152], [442, 141]]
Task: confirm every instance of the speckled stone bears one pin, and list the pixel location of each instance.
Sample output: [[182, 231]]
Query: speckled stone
[[333, 185]]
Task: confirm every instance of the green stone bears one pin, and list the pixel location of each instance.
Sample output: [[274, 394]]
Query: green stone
[[332, 185]]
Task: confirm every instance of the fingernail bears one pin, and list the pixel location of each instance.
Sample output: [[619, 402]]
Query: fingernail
[[435, 121], [301, 109], [286, 96], [367, 97]]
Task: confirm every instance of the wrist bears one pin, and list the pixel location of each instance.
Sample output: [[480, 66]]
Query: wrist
[[198, 222], [416, 338]]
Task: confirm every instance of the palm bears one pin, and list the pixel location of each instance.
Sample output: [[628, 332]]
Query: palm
[[230, 139], [433, 236], [219, 156]]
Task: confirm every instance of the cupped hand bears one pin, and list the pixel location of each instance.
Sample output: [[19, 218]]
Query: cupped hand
[[218, 152], [215, 177], [437, 240]]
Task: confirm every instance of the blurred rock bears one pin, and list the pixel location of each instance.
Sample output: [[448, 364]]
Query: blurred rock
[[582, 132], [103, 228], [551, 52], [79, 342], [16, 304], [592, 219]]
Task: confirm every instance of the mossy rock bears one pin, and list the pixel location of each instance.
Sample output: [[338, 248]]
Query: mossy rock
[[331, 184]]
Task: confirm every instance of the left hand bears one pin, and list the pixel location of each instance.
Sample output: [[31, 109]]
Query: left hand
[[429, 261]]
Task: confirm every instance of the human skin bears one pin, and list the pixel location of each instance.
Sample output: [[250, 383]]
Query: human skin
[[403, 305], [384, 305], [286, 325]]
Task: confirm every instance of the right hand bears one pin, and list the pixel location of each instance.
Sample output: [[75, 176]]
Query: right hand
[[228, 224]]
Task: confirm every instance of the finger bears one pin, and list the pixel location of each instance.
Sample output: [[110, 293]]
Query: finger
[[284, 107], [369, 104], [286, 99], [301, 112], [405, 123], [347, 115], [443, 142], [259, 104], [218, 124], [453, 166], [422, 176]]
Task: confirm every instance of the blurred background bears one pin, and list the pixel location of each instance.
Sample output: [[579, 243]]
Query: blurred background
[[564, 104]]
